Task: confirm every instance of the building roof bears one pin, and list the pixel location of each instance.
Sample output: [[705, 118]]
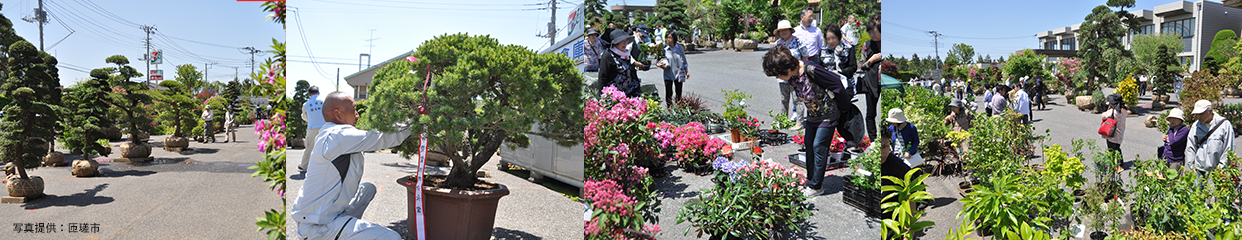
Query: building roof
[[1175, 8], [363, 78], [1232, 3]]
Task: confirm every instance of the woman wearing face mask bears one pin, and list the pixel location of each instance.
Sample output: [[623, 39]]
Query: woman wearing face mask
[[784, 37], [616, 68]]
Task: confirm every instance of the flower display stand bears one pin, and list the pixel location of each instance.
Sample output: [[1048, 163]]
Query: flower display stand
[[864, 199]]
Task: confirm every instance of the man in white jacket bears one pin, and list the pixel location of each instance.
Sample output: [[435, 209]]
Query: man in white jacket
[[333, 198], [1209, 139], [312, 112], [209, 133]]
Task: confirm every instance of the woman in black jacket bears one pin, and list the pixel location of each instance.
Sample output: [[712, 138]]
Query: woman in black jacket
[[615, 67]]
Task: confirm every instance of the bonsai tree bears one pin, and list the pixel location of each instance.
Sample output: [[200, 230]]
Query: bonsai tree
[[28, 122], [176, 107], [482, 94], [297, 126], [129, 97], [88, 114]]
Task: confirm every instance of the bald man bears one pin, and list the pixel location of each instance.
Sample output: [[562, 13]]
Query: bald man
[[333, 198]]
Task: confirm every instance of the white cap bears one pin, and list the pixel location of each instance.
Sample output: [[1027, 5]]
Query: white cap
[[1202, 106]]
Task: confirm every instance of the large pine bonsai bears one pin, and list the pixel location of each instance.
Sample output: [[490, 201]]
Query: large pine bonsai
[[129, 97], [87, 108], [483, 94]]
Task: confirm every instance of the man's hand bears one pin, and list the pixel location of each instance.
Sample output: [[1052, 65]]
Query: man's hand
[[661, 65], [1166, 138], [905, 156]]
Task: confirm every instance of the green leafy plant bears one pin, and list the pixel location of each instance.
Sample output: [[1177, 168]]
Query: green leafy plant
[[761, 198], [1001, 203], [905, 192], [994, 145], [735, 106], [484, 94], [867, 169], [780, 120]]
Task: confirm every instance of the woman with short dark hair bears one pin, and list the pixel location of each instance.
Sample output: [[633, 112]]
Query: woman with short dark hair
[[827, 106]]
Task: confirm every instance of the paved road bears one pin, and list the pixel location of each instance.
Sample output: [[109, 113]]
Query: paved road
[[530, 211], [712, 71], [206, 193], [1066, 124]]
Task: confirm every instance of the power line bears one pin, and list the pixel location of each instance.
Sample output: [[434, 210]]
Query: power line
[[297, 20]]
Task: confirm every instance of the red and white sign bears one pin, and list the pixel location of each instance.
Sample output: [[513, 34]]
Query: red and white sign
[[157, 75]]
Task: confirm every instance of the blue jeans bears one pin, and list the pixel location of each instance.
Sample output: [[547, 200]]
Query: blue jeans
[[817, 141]]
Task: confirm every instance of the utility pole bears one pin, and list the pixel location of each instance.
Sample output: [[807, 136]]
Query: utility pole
[[551, 26], [370, 46], [147, 55], [252, 51], [205, 67], [936, 42], [40, 18], [338, 79]]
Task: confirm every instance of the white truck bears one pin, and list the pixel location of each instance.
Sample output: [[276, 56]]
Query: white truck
[[544, 158]]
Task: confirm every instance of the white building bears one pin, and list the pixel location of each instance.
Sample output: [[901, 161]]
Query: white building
[[1196, 22], [361, 80]]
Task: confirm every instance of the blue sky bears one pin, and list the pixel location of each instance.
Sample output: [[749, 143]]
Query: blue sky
[[998, 28], [337, 30], [106, 28]]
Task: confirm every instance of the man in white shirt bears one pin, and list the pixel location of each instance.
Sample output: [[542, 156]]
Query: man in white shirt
[[230, 132], [810, 37], [1022, 103], [332, 198], [209, 133], [312, 112], [849, 29]]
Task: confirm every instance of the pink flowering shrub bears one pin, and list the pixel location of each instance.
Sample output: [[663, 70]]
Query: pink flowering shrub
[[692, 143], [764, 189], [614, 215], [619, 151]]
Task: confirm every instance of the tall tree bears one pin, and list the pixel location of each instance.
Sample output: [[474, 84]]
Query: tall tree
[[1145, 49], [87, 109], [1166, 69], [297, 126], [960, 54], [595, 11], [176, 107], [190, 78], [129, 97], [28, 122], [1102, 31], [673, 12]]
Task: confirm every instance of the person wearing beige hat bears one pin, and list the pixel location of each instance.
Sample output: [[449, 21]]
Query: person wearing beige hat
[[1174, 150], [784, 36], [1209, 139], [903, 140]]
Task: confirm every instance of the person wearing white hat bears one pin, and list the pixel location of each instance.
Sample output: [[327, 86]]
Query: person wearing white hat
[[1174, 150], [903, 140], [784, 36], [1209, 139]]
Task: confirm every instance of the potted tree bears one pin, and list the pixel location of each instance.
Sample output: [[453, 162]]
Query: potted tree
[[130, 98], [177, 108], [27, 120], [88, 113], [297, 126], [482, 95]]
